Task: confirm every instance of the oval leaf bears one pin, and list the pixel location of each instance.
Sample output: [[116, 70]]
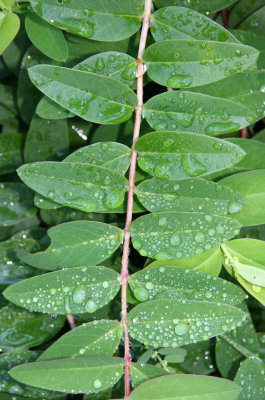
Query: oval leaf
[[203, 6], [140, 373], [250, 376], [9, 26], [172, 155], [11, 152]]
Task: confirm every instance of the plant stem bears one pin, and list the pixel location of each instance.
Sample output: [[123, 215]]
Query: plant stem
[[126, 246], [71, 321]]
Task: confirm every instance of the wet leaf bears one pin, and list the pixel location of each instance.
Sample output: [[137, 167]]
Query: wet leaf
[[77, 290], [140, 373], [199, 359], [80, 375], [9, 26], [48, 109], [203, 6], [74, 244], [254, 40], [185, 63], [172, 155], [11, 147], [94, 20], [250, 377], [255, 21], [172, 282], [242, 10]]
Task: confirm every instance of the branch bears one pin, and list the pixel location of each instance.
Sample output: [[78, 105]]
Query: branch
[[126, 246]]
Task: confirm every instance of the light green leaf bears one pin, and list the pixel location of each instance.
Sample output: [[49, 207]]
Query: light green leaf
[[78, 185], [173, 323], [186, 63], [203, 6], [48, 109], [255, 21], [172, 155], [92, 97], [183, 23], [9, 26], [98, 20], [252, 185], [189, 195], [97, 338], [254, 40], [74, 244], [196, 112], [77, 290], [11, 148], [47, 38], [79, 375], [20, 328], [189, 387], [251, 378], [140, 373], [173, 235], [172, 282], [256, 291]]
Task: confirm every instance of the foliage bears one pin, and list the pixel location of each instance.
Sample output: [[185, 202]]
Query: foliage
[[174, 222]]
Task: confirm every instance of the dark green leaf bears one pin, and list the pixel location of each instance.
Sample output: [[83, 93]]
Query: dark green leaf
[[76, 243], [173, 155], [80, 375], [255, 21], [48, 109], [199, 359], [11, 147], [92, 97], [186, 63], [203, 6], [47, 38], [140, 373], [242, 9], [251, 378], [7, 103], [9, 26], [254, 40]]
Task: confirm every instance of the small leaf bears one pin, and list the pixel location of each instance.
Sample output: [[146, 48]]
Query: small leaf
[[11, 148], [196, 112], [9, 26], [74, 244], [251, 378], [183, 23], [77, 290], [189, 195], [186, 63], [20, 328], [203, 6], [79, 375], [47, 38], [173, 235], [173, 323], [172, 282], [256, 291], [140, 373], [83, 186], [92, 97], [97, 338], [94, 20], [172, 155]]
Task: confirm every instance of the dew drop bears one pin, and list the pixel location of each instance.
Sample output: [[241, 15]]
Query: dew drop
[[97, 384], [90, 306], [199, 237], [181, 329], [234, 207], [141, 294], [221, 128], [51, 194], [79, 295], [179, 81]]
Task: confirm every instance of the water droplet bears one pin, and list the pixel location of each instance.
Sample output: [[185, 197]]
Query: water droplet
[[90, 306], [218, 128], [100, 65], [79, 295], [199, 237], [234, 207], [97, 384], [51, 194], [208, 294], [181, 329], [256, 288], [141, 294], [162, 221], [192, 165], [262, 89], [175, 239], [105, 284], [149, 285], [179, 81]]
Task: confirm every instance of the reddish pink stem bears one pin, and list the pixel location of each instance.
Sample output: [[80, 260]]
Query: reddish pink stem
[[71, 321], [244, 133], [225, 19], [126, 246]]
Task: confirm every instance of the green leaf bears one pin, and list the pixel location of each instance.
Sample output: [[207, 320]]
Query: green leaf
[[11, 147], [74, 244], [83, 186], [189, 195], [199, 358], [97, 338], [254, 40], [252, 185], [256, 291], [94, 20], [48, 109], [251, 378], [49, 139], [186, 63], [172, 323], [20, 328], [77, 290], [9, 26], [188, 387], [196, 112], [140, 373], [172, 282], [80, 375], [255, 21], [47, 38], [92, 97], [172, 155], [203, 6], [242, 10], [45, 203], [173, 235], [183, 23]]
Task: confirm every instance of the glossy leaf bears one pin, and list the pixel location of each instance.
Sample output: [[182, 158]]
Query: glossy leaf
[[48, 109], [188, 388], [20, 328], [203, 6], [257, 292], [76, 184], [77, 290], [172, 323], [186, 63], [251, 378], [252, 185], [92, 97], [97, 338], [47, 38], [9, 26], [196, 112], [80, 375], [172, 155], [74, 244], [255, 21], [174, 282], [94, 20], [173, 235], [11, 145], [254, 40], [140, 373], [189, 195], [183, 23]]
